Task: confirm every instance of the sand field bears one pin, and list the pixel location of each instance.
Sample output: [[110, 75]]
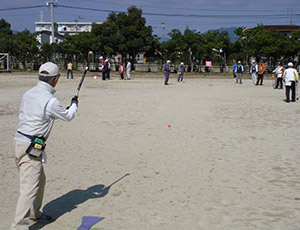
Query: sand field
[[229, 160]]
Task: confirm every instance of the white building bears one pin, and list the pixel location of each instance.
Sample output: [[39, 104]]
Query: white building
[[61, 29]]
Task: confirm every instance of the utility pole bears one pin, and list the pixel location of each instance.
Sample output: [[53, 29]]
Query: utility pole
[[41, 16], [163, 32], [289, 14], [291, 19], [52, 4], [76, 21]]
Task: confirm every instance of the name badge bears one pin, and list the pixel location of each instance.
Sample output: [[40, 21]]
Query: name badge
[[288, 83]]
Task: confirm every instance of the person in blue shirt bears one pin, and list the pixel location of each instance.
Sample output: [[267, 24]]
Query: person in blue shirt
[[180, 72], [167, 72], [233, 68], [239, 71]]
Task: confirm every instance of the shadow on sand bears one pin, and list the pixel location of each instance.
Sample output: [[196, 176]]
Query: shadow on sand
[[69, 201]]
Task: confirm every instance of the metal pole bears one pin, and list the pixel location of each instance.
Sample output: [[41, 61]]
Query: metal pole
[[76, 26], [52, 21], [7, 62], [163, 32]]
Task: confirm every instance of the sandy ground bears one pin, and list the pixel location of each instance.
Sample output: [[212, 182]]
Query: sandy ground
[[230, 159]]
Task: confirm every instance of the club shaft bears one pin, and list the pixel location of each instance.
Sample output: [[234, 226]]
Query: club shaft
[[82, 79]]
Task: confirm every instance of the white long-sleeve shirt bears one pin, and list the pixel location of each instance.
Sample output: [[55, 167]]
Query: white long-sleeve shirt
[[128, 66], [39, 109], [290, 74], [279, 71], [253, 68]]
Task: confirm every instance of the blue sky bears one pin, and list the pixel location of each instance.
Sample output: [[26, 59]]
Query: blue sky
[[200, 15]]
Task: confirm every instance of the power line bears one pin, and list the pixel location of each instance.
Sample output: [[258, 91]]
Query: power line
[[23, 8], [224, 16], [184, 8]]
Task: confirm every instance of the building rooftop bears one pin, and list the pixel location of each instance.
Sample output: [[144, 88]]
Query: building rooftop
[[279, 28]]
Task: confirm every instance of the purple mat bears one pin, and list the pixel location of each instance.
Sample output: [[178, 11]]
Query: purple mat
[[88, 222]]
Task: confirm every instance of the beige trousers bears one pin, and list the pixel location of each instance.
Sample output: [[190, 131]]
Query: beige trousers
[[32, 184]]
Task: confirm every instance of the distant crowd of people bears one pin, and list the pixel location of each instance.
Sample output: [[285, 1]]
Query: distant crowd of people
[[289, 77]]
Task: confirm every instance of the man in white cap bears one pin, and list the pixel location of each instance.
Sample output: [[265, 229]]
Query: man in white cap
[[239, 70], [39, 108], [290, 77], [167, 72], [253, 71], [278, 75], [180, 72]]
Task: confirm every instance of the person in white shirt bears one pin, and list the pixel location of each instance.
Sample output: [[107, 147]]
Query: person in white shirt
[[128, 69], [253, 71], [290, 77], [278, 75], [39, 108], [70, 70]]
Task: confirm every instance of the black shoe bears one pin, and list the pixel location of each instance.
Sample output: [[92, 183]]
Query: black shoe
[[287, 101], [293, 100], [44, 219]]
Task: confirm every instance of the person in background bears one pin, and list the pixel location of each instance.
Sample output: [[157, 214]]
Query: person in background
[[253, 71], [107, 69], [278, 75], [291, 77], [167, 72], [128, 69], [70, 70], [261, 72], [239, 72], [181, 71], [121, 71], [103, 70], [233, 68]]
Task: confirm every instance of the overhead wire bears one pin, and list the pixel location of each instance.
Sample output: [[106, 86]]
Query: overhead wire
[[181, 15], [182, 8], [23, 8]]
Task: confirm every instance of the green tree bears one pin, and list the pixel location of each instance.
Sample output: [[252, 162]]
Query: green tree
[[5, 37], [5, 27], [173, 49], [215, 44], [25, 47], [124, 33]]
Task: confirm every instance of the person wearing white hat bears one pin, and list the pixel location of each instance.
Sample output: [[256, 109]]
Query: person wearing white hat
[[167, 70], [39, 108], [239, 71], [181, 71], [253, 71], [290, 77], [278, 75]]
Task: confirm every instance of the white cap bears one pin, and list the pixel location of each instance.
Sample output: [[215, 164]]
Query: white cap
[[168, 61], [253, 61], [290, 64], [239, 62], [49, 69], [181, 63]]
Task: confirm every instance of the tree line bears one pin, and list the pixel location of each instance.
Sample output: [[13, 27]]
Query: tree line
[[127, 34]]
